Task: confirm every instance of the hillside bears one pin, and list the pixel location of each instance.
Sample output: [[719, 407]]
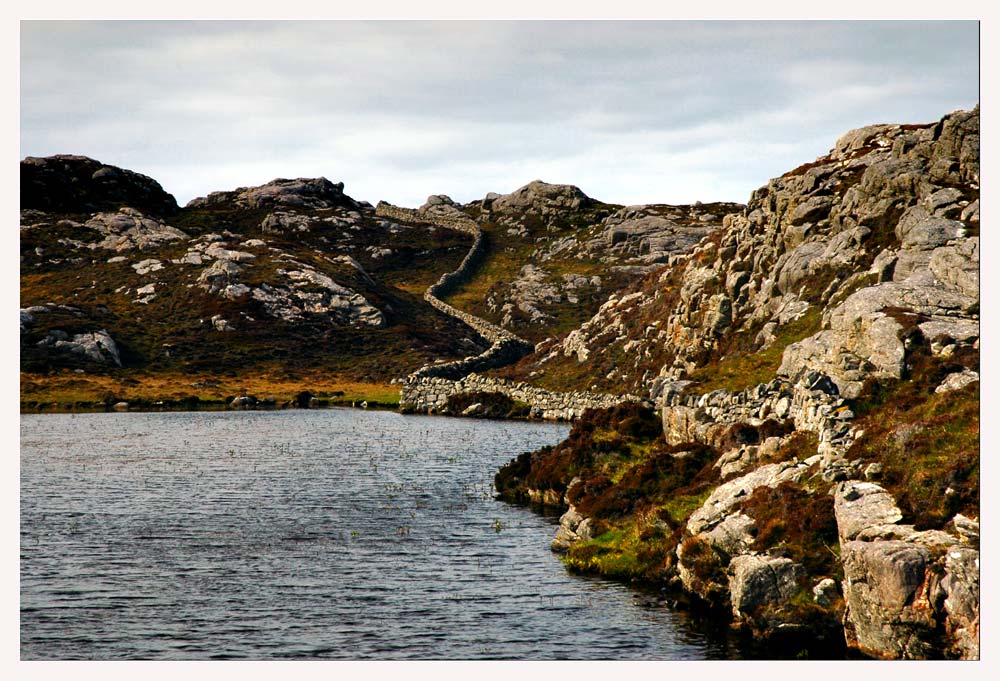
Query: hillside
[[555, 255], [775, 405], [291, 284], [810, 468]]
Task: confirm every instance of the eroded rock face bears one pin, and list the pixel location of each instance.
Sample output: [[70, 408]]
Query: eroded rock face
[[898, 581], [884, 586], [756, 581]]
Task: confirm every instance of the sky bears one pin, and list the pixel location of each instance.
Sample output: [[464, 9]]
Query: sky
[[630, 112]]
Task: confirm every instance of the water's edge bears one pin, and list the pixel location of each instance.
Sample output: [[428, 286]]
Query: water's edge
[[315, 534]]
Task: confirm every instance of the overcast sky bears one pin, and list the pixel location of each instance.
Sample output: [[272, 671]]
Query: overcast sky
[[631, 112]]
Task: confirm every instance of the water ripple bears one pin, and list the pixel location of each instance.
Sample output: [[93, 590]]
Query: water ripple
[[332, 534]]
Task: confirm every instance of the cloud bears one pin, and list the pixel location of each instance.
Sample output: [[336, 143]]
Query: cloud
[[629, 111]]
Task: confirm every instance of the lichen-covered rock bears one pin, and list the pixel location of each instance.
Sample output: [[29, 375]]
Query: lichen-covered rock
[[129, 230], [860, 506], [756, 581], [306, 291]]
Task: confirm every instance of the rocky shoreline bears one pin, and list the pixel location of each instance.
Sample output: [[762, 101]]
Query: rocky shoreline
[[837, 502]]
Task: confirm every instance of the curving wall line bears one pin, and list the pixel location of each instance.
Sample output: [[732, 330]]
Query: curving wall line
[[428, 388]]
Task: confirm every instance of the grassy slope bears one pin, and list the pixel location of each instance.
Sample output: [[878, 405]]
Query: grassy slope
[[508, 253]]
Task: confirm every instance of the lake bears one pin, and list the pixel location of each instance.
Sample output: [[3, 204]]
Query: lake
[[306, 534]]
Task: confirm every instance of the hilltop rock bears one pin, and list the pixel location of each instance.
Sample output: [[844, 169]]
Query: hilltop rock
[[78, 184], [540, 197], [299, 193]]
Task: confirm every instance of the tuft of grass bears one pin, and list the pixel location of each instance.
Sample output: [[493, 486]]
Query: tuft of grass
[[633, 550]]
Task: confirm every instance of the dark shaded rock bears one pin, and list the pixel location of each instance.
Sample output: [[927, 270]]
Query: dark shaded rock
[[77, 184]]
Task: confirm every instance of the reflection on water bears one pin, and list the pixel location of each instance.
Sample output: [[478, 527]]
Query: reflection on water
[[334, 534]]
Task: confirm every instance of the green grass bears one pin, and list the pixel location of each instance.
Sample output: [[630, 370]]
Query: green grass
[[743, 368], [680, 507], [633, 550], [929, 453]]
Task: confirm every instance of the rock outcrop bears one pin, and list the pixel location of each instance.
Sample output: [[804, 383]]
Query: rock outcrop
[[886, 223], [859, 275], [904, 586], [77, 184], [130, 230], [281, 193]]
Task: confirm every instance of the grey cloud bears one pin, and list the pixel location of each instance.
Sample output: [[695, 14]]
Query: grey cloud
[[401, 104]]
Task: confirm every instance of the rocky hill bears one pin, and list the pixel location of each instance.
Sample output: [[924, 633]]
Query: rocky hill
[[556, 255], [281, 288], [811, 467], [776, 405]]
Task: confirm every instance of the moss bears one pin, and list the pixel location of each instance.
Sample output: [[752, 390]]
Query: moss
[[633, 550], [679, 507]]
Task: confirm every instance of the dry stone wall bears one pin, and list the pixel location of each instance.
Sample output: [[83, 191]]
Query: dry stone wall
[[430, 394], [811, 403], [428, 388]]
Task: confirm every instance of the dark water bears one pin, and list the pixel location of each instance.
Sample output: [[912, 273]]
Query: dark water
[[333, 534]]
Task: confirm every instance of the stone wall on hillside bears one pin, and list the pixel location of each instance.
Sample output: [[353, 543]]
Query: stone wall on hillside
[[427, 390], [811, 404]]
